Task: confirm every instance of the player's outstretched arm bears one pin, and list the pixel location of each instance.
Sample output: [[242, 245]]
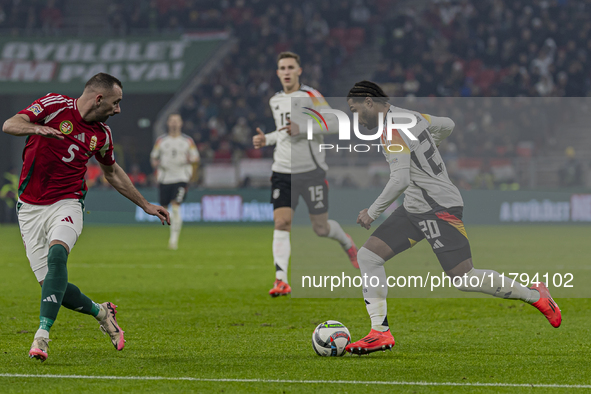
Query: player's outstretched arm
[[121, 182], [397, 184], [261, 139], [20, 125]]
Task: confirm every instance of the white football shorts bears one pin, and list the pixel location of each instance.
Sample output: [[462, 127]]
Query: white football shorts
[[41, 224]]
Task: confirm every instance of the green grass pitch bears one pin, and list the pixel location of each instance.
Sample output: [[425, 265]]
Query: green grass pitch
[[203, 312]]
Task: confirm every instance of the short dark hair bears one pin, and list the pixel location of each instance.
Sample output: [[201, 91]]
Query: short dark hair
[[364, 89], [103, 81], [289, 55]]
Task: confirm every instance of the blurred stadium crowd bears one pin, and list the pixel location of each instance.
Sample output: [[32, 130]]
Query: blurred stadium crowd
[[465, 48], [489, 48], [32, 15]]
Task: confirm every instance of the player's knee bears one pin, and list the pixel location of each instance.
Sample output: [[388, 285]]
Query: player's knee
[[362, 256], [283, 224], [65, 236], [61, 243], [366, 257], [463, 282], [460, 269]]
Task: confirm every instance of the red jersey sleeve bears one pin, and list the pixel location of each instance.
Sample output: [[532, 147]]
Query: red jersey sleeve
[[106, 154], [45, 106]]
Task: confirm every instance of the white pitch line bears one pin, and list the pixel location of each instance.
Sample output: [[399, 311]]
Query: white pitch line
[[375, 382]]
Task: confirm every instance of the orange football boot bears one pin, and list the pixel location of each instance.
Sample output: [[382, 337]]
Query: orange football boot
[[280, 288], [547, 306], [374, 341], [352, 253]]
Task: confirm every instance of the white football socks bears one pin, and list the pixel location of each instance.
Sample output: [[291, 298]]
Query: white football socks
[[281, 253], [337, 233], [371, 264], [493, 284], [102, 313], [42, 333], [496, 285], [176, 223]]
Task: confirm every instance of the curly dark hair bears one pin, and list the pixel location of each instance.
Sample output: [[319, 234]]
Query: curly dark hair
[[364, 89]]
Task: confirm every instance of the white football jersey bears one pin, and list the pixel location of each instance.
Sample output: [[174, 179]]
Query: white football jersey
[[430, 187], [306, 153], [175, 155], [440, 127]]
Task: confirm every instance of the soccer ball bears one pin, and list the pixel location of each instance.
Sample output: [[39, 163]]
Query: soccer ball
[[330, 338]]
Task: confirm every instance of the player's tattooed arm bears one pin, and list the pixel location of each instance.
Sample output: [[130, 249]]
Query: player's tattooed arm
[[121, 182], [20, 125]]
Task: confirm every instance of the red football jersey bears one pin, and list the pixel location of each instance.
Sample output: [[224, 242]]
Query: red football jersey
[[54, 169]]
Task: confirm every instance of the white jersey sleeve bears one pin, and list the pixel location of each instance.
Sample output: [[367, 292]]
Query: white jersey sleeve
[[271, 138], [430, 187], [440, 127]]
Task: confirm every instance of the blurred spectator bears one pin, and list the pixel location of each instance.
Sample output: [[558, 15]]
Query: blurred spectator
[[205, 151], [3, 16], [9, 196], [137, 177], [571, 172], [317, 29], [242, 134], [485, 178], [9, 189], [360, 14], [224, 153], [51, 18], [541, 64]]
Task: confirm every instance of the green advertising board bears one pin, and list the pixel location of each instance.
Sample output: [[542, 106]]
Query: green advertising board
[[252, 205], [144, 64]]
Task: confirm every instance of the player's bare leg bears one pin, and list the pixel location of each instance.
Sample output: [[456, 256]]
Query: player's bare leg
[[176, 223], [281, 250], [323, 227]]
